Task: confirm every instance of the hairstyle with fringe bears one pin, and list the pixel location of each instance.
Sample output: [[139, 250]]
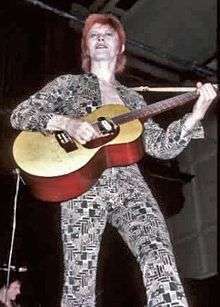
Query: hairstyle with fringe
[[115, 24]]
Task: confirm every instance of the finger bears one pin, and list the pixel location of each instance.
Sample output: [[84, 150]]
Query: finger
[[199, 84], [209, 92], [80, 140], [88, 135], [96, 134], [206, 96], [91, 129], [86, 131], [83, 130], [83, 137]]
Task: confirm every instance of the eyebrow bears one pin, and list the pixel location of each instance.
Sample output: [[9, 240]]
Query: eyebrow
[[107, 30]]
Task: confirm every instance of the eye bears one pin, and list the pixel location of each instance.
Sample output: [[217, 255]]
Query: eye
[[93, 35], [109, 34]]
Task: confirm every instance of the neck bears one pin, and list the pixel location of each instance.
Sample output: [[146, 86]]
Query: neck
[[104, 71]]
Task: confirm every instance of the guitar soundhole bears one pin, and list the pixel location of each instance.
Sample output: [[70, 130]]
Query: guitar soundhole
[[102, 140]]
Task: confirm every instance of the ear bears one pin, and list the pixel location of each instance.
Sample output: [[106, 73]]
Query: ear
[[122, 48]]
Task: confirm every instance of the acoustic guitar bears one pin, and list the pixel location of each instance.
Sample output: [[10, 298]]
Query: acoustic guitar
[[57, 168]]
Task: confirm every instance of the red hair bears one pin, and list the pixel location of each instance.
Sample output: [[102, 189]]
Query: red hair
[[115, 24]]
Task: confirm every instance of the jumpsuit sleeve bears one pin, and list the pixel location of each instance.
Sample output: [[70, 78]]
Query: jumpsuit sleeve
[[35, 112], [167, 144]]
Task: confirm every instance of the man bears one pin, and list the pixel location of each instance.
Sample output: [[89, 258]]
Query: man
[[121, 195], [8, 295]]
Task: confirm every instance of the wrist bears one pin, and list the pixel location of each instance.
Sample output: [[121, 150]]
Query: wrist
[[58, 122], [195, 117], [65, 122]]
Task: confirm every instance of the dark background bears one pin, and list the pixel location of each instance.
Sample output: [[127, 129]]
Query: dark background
[[36, 46]]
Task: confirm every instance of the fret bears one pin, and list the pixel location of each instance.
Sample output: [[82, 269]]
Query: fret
[[155, 108]]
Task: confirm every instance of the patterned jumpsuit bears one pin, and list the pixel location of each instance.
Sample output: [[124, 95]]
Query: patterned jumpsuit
[[121, 197]]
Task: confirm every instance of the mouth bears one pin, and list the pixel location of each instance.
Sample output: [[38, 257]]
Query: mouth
[[100, 46]]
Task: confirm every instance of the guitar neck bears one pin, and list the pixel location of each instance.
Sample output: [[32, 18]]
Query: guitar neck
[[156, 108]]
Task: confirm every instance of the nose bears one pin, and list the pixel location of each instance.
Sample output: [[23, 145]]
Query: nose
[[100, 38]]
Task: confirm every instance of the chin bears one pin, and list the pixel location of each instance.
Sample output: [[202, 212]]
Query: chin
[[101, 58]]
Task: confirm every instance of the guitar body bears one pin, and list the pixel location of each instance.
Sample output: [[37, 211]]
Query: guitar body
[[55, 175]]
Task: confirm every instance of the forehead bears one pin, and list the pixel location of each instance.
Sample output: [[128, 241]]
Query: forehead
[[100, 27]]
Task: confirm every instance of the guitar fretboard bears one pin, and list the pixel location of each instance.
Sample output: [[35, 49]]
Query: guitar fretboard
[[156, 108]]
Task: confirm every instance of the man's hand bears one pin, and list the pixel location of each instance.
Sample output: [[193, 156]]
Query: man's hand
[[81, 131], [207, 95]]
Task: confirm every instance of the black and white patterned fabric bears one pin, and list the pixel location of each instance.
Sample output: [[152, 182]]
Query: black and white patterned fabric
[[120, 197]]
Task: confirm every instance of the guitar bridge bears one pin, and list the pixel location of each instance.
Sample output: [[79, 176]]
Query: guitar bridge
[[65, 141]]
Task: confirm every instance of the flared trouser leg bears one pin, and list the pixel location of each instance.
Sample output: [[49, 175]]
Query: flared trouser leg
[[82, 225], [143, 228]]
